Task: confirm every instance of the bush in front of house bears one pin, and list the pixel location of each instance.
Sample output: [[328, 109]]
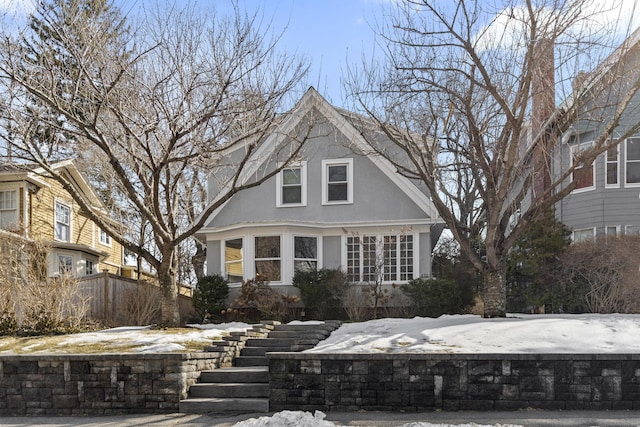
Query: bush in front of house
[[321, 291], [435, 297], [258, 298], [210, 295]]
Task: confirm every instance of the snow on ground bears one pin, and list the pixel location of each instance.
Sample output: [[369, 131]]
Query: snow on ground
[[588, 333], [306, 419], [144, 339]]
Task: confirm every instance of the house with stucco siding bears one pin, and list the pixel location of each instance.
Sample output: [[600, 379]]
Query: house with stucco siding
[[333, 205]]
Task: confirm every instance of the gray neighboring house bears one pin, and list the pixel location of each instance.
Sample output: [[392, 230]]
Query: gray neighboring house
[[607, 199], [333, 206]]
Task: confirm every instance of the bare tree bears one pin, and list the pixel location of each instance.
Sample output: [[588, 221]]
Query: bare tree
[[149, 111], [466, 92]]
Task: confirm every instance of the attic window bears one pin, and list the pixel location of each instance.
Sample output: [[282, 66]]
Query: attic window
[[337, 181], [291, 185]]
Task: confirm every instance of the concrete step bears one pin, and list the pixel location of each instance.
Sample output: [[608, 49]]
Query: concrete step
[[222, 405], [271, 342], [248, 361], [229, 390], [298, 335], [261, 351], [250, 374]]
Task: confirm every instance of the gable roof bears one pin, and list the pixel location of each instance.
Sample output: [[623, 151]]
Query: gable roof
[[313, 100], [36, 175]]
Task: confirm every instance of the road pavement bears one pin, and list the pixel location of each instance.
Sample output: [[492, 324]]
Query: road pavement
[[532, 418]]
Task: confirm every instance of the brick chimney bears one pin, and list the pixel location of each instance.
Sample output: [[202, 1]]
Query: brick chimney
[[542, 108]]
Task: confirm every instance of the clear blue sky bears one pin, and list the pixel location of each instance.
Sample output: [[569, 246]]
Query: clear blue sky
[[330, 33]]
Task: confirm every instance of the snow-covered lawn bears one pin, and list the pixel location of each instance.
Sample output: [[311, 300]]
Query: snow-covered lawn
[[521, 333], [587, 333]]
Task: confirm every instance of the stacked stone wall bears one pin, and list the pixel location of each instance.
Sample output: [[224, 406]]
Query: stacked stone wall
[[452, 382]]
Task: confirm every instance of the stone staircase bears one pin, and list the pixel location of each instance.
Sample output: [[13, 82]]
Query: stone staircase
[[244, 387]]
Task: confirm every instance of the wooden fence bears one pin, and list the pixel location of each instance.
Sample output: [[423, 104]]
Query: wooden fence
[[119, 301]]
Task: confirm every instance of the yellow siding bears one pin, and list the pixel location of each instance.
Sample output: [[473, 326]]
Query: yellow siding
[[83, 230]]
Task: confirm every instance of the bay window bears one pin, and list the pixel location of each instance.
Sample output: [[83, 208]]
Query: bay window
[[267, 258], [8, 208], [305, 253], [233, 260]]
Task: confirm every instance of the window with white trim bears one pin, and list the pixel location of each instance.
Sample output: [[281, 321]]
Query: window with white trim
[[305, 253], [390, 256], [612, 157], [89, 267], [104, 238], [8, 208], [337, 181], [291, 186], [62, 222], [612, 230], [268, 258], [65, 265], [234, 260], [632, 155], [583, 234], [585, 176]]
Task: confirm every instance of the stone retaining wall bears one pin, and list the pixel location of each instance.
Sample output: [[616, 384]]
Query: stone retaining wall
[[452, 382], [98, 384], [112, 383]]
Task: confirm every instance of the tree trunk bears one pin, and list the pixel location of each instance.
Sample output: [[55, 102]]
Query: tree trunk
[[199, 259], [170, 313], [495, 292]]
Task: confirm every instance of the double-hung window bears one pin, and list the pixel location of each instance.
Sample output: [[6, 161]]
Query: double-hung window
[[291, 186], [632, 173], [305, 253], [8, 208], [612, 160], [104, 238], [337, 181], [267, 257], [389, 258], [62, 222], [233, 260], [583, 175]]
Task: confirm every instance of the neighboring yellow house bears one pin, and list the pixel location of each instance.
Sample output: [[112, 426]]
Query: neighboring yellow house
[[37, 207]]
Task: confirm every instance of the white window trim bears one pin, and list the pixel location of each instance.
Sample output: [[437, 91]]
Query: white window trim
[[55, 219], [325, 176], [606, 168], [74, 271], [303, 183], [617, 227], [223, 257], [17, 207], [107, 240], [573, 233], [380, 238], [593, 168], [282, 255], [292, 259], [287, 253], [626, 164]]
